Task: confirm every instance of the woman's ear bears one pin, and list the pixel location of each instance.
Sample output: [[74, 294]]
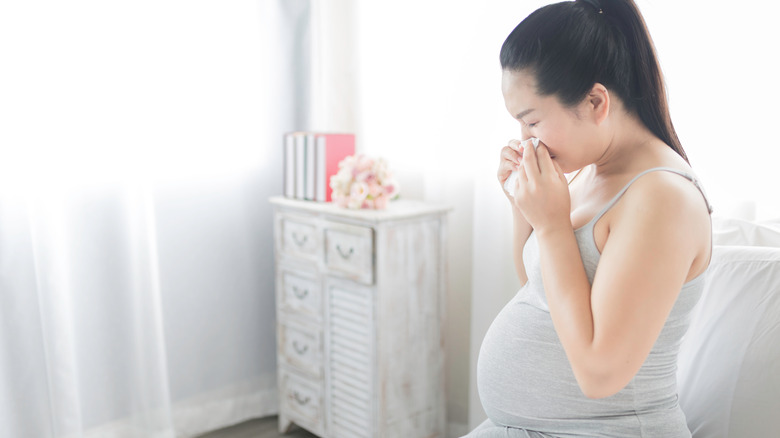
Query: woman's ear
[[598, 103]]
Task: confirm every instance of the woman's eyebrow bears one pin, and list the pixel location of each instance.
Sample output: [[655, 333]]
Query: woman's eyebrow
[[522, 114]]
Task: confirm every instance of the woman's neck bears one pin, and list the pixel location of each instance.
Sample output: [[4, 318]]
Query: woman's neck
[[631, 147]]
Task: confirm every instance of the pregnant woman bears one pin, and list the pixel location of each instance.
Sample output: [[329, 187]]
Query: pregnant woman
[[611, 261]]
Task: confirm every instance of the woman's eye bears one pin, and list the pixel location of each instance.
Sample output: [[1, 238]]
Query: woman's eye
[[531, 125]]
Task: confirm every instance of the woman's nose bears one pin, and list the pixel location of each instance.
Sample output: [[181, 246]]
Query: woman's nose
[[524, 134]]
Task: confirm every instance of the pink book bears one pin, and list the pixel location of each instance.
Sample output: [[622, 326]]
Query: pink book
[[331, 149]]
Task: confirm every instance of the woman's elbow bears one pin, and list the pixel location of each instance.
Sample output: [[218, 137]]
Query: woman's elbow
[[595, 392], [600, 385]]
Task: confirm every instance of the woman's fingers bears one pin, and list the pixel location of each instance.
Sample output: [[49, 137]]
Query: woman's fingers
[[539, 193], [522, 180], [546, 166], [522, 177], [561, 175], [530, 162], [510, 161], [511, 154]]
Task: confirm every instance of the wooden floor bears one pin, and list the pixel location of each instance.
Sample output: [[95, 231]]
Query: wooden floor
[[260, 428]]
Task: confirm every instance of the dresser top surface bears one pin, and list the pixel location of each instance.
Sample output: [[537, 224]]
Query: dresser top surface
[[399, 209]]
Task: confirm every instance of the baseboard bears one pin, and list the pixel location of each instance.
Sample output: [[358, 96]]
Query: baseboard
[[206, 412], [456, 430]]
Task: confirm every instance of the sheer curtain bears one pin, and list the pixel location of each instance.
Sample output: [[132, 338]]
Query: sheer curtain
[[139, 142]]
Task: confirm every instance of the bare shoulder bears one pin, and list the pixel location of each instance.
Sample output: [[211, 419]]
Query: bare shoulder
[[668, 207], [665, 194]]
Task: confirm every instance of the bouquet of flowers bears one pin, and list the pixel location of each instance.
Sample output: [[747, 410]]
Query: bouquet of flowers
[[363, 182]]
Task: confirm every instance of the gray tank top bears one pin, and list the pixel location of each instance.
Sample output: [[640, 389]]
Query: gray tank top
[[525, 380]]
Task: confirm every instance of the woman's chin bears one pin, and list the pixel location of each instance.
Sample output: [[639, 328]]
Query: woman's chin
[[566, 169], [562, 165]]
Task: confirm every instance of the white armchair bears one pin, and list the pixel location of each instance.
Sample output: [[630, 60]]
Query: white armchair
[[729, 363]]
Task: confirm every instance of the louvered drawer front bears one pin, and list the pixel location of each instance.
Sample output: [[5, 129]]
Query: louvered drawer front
[[302, 401], [301, 294], [302, 348], [349, 251], [351, 352], [300, 238]]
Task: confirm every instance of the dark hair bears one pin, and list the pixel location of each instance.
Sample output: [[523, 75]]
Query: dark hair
[[569, 46]]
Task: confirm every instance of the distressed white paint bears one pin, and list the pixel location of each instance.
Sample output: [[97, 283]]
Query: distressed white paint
[[372, 284]]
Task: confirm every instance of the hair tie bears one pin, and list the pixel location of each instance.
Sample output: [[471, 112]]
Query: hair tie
[[596, 5]]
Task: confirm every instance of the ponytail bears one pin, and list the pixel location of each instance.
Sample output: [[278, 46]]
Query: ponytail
[[570, 46]]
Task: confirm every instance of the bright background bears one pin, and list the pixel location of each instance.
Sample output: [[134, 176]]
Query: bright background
[[160, 122]]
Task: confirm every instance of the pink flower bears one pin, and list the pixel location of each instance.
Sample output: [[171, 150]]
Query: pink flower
[[358, 190], [363, 182], [364, 163], [366, 177], [390, 189], [374, 189], [380, 203], [341, 201]]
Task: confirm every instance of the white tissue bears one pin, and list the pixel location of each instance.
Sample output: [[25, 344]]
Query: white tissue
[[533, 140], [509, 184]]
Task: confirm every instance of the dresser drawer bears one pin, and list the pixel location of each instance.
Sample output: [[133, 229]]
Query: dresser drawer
[[299, 238], [301, 347], [302, 401], [301, 294], [349, 251]]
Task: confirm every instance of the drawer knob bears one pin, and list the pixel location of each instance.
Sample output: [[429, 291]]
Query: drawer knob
[[299, 241], [345, 255], [298, 349], [301, 294], [301, 401]]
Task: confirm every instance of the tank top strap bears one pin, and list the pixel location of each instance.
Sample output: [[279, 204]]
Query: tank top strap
[[622, 191]]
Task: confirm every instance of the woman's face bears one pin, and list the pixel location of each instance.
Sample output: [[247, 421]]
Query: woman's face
[[560, 128]]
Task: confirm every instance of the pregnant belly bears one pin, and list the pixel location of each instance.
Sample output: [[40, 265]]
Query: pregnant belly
[[523, 372]]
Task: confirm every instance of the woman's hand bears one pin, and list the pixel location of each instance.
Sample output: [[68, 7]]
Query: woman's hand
[[511, 160], [542, 193]]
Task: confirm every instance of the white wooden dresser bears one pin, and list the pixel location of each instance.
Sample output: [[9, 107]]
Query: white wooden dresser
[[360, 315]]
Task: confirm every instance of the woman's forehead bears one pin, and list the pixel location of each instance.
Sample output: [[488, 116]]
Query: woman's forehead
[[519, 90], [514, 81]]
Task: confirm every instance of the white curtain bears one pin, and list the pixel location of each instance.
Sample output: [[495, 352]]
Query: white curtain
[[139, 143]]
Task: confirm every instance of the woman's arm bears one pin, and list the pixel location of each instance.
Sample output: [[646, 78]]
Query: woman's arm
[[511, 159], [608, 329], [521, 231]]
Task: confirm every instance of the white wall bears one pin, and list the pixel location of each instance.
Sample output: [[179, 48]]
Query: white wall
[[721, 66]]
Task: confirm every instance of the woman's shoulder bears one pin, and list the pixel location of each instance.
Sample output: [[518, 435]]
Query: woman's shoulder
[[656, 182], [668, 206], [663, 179], [668, 180], [665, 186]]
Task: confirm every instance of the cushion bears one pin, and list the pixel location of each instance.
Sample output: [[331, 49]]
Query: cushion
[[729, 363], [733, 231]]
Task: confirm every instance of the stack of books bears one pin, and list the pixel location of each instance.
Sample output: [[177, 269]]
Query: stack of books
[[310, 159]]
